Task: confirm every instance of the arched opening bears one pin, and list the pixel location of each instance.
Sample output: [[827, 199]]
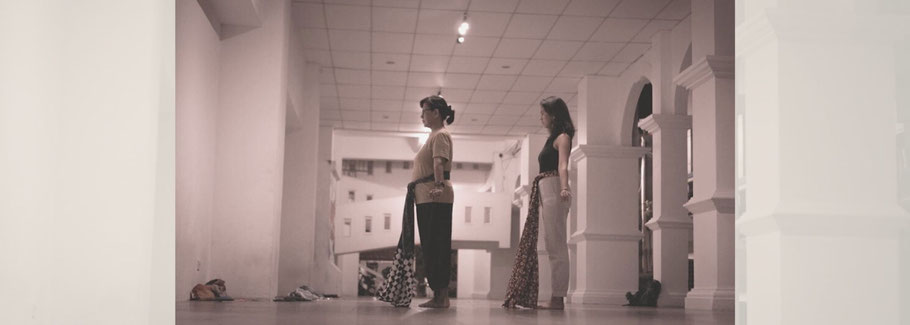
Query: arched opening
[[642, 138]]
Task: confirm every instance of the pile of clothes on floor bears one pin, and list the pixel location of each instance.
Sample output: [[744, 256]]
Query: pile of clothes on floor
[[304, 293], [214, 290]]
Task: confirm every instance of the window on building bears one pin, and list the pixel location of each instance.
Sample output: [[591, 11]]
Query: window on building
[[370, 167], [388, 167], [388, 221], [467, 214], [347, 227], [407, 165], [487, 214], [369, 197], [476, 166], [457, 165], [368, 225], [351, 195]]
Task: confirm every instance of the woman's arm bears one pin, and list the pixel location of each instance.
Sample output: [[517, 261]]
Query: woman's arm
[[562, 145], [438, 176]]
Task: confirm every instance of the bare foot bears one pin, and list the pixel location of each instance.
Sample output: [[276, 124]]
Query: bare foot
[[440, 300], [555, 303]]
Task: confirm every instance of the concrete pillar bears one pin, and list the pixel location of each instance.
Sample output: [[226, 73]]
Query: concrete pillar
[[607, 237], [250, 155], [671, 224], [825, 235], [710, 80]]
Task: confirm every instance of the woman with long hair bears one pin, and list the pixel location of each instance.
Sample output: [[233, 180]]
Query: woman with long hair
[[550, 201]]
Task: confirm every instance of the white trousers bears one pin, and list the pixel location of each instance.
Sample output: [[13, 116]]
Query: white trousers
[[554, 213]]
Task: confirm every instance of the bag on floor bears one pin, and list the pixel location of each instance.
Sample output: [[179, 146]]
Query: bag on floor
[[214, 290], [646, 296]]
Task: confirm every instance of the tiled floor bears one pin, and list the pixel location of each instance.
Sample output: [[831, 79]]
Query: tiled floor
[[469, 312]]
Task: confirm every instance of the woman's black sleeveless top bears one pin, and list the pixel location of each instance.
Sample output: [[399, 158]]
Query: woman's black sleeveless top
[[548, 159]]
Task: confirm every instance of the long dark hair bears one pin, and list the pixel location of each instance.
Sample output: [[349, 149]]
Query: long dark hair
[[562, 122], [439, 104]]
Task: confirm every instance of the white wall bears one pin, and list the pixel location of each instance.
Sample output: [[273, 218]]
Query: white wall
[[250, 155], [357, 145], [86, 136], [198, 69]]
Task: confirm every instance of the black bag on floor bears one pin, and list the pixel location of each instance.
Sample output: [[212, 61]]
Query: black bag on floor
[[646, 296]]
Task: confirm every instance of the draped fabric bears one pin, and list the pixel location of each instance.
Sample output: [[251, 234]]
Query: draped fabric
[[524, 282], [401, 285]]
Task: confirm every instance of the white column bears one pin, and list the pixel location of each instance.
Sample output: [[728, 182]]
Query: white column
[[607, 236], [825, 235], [671, 224], [710, 80]]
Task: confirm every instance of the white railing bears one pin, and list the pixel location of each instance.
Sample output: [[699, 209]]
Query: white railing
[[479, 220]]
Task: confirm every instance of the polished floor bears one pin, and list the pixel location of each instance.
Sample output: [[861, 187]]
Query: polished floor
[[463, 311]]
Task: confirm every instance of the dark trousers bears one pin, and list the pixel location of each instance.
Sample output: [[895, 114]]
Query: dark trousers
[[434, 222]]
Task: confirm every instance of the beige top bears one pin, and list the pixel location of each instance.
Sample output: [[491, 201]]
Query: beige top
[[439, 144]]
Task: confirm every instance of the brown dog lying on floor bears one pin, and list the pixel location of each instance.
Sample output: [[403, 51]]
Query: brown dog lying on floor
[[212, 290]]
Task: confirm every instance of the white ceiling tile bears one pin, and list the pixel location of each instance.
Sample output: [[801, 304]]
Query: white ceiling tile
[[415, 94], [411, 115], [328, 103], [328, 90], [394, 19], [639, 9], [468, 129], [465, 64], [516, 48], [618, 30], [570, 28], [482, 108], [445, 4], [631, 52], [543, 67], [598, 51], [457, 106], [429, 63], [326, 75], [399, 62], [439, 22], [347, 17], [521, 97], [386, 117], [425, 79], [386, 105], [505, 66], [433, 44], [354, 104], [552, 7], [652, 28], [474, 119], [309, 15], [349, 40], [496, 82], [495, 130], [388, 92], [354, 91], [389, 78], [676, 10], [354, 125], [355, 116], [397, 3], [531, 83], [382, 126], [565, 84], [613, 68], [532, 122], [486, 24], [530, 26], [487, 96], [329, 115], [477, 46], [321, 57], [351, 60], [392, 42], [351, 76], [557, 50], [502, 120], [349, 2], [315, 38], [507, 6], [456, 95], [460, 80], [599, 8], [514, 110]]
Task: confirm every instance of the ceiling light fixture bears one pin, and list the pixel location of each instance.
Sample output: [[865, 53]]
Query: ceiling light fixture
[[463, 29]]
